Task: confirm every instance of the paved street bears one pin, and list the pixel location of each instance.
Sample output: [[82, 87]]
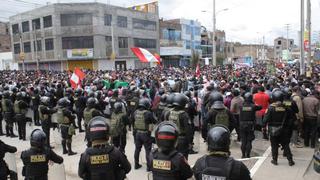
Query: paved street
[[259, 164]]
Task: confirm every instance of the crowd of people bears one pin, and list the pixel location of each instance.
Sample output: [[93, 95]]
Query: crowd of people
[[163, 106]]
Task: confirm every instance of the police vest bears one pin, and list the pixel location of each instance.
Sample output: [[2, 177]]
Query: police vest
[[100, 163], [42, 116], [165, 166], [221, 118], [87, 115], [133, 103], [112, 102], [4, 105], [247, 114], [278, 114], [17, 108], [287, 103], [61, 118], [116, 124], [160, 109], [37, 164], [174, 116], [140, 123], [217, 171]]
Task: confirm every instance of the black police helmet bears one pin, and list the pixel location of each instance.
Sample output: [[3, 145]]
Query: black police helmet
[[169, 99], [218, 139], [248, 97], [91, 94], [38, 138], [6, 94], [188, 94], [92, 102], [78, 92], [118, 107], [63, 102], [45, 100], [19, 96], [218, 105], [215, 96], [161, 91], [98, 129], [287, 92], [166, 136], [277, 96], [180, 100], [163, 99], [145, 103]]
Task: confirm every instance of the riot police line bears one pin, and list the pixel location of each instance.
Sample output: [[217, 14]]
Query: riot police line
[[107, 115]]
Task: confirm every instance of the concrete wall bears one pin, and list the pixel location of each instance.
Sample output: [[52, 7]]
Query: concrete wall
[[6, 62]]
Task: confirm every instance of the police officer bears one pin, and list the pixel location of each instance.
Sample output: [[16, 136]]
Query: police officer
[[102, 160], [191, 109], [167, 163], [65, 119], [143, 125], [79, 106], [161, 106], [278, 120], [90, 112], [132, 102], [4, 170], [169, 107], [45, 113], [247, 123], [218, 114], [114, 99], [218, 164], [119, 121], [35, 160], [20, 109], [35, 106], [8, 111], [180, 117]]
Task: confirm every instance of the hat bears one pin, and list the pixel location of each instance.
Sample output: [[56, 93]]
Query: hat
[[228, 93], [308, 90]]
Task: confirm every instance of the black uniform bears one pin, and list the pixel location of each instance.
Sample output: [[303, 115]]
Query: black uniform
[[103, 162], [66, 121], [171, 166], [35, 107], [20, 108], [4, 170], [132, 103], [45, 118], [35, 163], [80, 105], [1, 118], [220, 167], [247, 123], [142, 134], [7, 107], [119, 122]]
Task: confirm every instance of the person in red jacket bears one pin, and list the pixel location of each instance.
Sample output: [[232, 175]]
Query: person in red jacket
[[261, 99]]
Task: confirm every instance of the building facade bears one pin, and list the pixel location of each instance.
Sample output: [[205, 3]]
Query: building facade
[[178, 37], [206, 45], [6, 62], [5, 43], [86, 35], [280, 47]]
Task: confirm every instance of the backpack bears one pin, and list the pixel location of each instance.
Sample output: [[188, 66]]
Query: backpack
[[218, 171], [116, 124], [222, 118]]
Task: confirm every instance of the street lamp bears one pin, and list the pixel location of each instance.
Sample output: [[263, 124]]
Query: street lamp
[[214, 13]]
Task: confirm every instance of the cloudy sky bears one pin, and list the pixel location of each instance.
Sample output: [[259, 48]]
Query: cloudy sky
[[246, 21]]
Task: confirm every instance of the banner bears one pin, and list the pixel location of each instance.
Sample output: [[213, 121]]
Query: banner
[[147, 8], [243, 62], [79, 53]]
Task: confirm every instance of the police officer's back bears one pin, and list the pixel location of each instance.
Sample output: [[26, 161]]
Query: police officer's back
[[102, 160], [90, 111], [167, 163], [218, 164], [35, 160]]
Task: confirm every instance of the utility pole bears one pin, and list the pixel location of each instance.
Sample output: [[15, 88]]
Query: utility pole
[[35, 44], [22, 52], [302, 68], [288, 42], [263, 51], [309, 34], [214, 56]]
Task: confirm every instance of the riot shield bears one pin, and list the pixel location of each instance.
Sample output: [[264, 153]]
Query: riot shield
[[10, 159], [57, 171]]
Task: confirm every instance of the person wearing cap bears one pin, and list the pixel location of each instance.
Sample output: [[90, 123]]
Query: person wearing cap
[[310, 113]]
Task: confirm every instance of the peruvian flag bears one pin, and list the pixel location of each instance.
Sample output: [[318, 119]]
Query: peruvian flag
[[198, 71], [76, 78], [145, 56]]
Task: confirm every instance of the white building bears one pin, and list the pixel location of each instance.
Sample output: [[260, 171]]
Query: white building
[[6, 61]]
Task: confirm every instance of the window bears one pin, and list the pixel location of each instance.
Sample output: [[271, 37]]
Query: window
[[188, 45], [145, 43], [107, 19], [122, 21], [144, 24], [39, 48], [15, 28], [27, 47], [77, 42], [49, 44], [36, 24], [16, 48], [25, 26], [76, 19], [123, 42], [188, 29], [279, 42], [108, 45], [47, 21]]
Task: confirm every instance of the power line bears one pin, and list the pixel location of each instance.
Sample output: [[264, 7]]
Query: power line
[[26, 2]]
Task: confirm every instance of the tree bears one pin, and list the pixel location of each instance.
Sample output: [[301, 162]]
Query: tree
[[195, 58]]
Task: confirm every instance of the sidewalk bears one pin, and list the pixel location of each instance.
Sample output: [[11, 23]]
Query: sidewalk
[[302, 158]]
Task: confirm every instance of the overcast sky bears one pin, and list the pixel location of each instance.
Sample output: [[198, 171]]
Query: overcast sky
[[246, 21]]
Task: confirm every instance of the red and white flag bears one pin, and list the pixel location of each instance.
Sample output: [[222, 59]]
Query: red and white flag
[[144, 55], [198, 71], [76, 78]]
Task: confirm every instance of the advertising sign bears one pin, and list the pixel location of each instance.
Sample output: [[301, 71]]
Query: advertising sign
[[79, 53]]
